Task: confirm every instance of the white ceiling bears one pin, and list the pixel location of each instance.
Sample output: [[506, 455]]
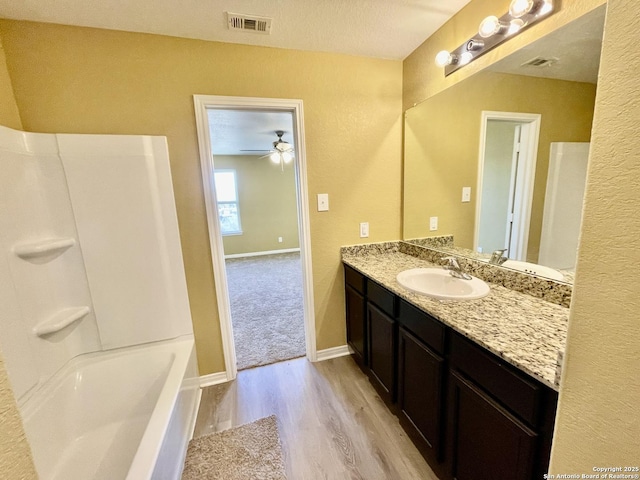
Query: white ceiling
[[242, 132], [389, 29]]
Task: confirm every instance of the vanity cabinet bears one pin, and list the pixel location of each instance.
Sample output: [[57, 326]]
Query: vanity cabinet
[[421, 379], [420, 382], [382, 335], [500, 421], [356, 310], [472, 415], [486, 441]]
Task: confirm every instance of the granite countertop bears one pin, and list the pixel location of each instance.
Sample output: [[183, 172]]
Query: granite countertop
[[527, 332]]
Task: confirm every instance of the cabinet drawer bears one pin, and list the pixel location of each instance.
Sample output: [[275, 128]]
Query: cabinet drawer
[[425, 327], [382, 298], [354, 279], [502, 381]]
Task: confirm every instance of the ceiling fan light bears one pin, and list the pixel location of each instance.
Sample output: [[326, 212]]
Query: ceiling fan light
[[287, 157], [275, 157]]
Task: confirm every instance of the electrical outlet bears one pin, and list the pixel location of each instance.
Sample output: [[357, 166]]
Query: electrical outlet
[[433, 223], [279, 239], [466, 194], [323, 202], [364, 229]]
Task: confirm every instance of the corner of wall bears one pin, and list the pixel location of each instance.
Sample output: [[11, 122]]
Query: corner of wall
[[9, 113]]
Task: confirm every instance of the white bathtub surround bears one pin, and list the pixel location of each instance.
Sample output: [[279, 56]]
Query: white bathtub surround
[[91, 270]]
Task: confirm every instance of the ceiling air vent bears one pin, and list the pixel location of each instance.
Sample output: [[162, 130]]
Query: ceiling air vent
[[540, 62], [249, 23]]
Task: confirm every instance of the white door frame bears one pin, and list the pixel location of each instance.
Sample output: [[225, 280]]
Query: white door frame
[[202, 103], [528, 157]]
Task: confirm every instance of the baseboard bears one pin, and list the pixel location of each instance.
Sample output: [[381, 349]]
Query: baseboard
[[213, 379], [333, 352], [258, 254]]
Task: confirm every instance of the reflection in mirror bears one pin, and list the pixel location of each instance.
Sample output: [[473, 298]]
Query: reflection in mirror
[[444, 134]]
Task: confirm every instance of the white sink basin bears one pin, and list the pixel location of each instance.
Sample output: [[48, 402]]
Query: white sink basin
[[438, 283], [534, 269]]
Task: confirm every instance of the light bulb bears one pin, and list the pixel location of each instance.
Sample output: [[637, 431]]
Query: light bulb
[[514, 26], [518, 8], [546, 7], [287, 157], [465, 58], [275, 157], [489, 26], [443, 58]]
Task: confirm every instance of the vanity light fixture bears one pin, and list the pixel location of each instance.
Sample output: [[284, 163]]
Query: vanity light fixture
[[493, 31]]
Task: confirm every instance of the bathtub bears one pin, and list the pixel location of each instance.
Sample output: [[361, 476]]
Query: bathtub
[[121, 414]]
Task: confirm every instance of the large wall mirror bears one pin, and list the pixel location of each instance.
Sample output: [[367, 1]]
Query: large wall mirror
[[516, 133]]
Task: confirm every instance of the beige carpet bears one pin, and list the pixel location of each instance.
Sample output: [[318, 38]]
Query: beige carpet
[[247, 452], [267, 313]]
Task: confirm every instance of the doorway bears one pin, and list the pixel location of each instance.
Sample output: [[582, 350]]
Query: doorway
[[263, 255], [506, 173]]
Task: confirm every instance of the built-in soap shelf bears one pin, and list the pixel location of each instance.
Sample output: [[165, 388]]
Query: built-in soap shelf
[[49, 247], [60, 320]]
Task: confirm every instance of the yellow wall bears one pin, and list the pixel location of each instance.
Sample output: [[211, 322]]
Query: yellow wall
[[267, 204], [83, 80], [441, 156], [598, 420], [9, 115]]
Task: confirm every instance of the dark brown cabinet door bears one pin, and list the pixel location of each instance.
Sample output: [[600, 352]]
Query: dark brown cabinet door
[[356, 325], [486, 442], [420, 380], [382, 334]]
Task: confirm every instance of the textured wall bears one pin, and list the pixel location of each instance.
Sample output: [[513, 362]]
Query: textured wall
[[9, 115], [423, 79], [82, 80], [16, 462], [598, 418], [267, 204]]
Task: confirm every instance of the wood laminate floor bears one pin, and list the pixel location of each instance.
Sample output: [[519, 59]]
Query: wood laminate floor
[[332, 423]]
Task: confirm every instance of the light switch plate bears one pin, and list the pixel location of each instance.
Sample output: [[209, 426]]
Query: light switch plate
[[466, 194], [323, 202], [433, 223], [364, 229]]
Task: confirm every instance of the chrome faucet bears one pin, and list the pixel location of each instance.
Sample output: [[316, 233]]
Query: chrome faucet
[[454, 268], [498, 257]]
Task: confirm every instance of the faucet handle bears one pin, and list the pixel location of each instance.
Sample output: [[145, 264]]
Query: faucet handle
[[452, 263], [498, 257]]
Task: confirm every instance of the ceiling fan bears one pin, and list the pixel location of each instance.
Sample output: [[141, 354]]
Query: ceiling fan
[[281, 153]]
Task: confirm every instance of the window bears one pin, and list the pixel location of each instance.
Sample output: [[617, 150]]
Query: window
[[227, 196]]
